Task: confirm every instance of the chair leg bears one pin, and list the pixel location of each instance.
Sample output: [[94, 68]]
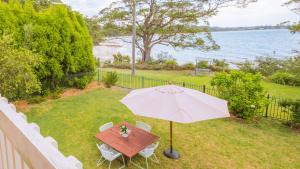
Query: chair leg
[[156, 160], [123, 162], [100, 161], [147, 163], [135, 164]]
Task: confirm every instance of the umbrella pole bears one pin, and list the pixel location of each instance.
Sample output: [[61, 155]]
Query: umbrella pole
[[171, 153], [171, 136]]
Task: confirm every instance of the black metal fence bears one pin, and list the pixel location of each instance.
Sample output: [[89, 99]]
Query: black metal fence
[[272, 109]]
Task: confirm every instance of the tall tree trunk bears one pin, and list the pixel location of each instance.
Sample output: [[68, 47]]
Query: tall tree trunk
[[146, 54], [147, 49]]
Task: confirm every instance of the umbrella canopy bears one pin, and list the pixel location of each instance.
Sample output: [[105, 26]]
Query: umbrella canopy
[[174, 103]]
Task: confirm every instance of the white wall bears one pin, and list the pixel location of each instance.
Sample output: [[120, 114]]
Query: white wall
[[23, 147]]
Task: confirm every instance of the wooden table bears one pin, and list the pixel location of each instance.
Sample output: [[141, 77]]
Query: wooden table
[[137, 140]]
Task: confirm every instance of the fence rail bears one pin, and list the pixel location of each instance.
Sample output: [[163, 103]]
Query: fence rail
[[272, 109]]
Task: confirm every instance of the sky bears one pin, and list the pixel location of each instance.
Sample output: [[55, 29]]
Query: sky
[[263, 12]]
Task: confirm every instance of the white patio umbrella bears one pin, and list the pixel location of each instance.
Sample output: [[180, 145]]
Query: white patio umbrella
[[175, 104]]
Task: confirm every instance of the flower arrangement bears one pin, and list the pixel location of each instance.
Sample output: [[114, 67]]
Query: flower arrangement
[[124, 131]]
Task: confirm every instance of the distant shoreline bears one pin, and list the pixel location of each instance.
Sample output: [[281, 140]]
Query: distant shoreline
[[236, 46], [225, 29]]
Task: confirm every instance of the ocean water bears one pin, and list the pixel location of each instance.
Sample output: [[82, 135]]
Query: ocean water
[[236, 46]]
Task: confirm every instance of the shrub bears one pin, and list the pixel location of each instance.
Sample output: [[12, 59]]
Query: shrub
[[243, 91], [118, 66], [162, 57], [268, 65], [203, 64], [293, 65], [188, 66], [149, 66], [110, 79], [294, 107], [170, 64], [83, 81], [121, 59], [247, 67], [285, 78], [56, 94], [17, 71], [219, 65]]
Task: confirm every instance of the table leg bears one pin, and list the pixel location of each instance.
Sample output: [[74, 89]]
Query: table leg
[[126, 160]]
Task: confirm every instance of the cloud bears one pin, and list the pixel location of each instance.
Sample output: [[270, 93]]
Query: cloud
[[263, 12], [88, 7]]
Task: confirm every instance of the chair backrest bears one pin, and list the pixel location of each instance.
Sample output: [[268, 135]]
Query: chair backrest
[[104, 150], [143, 126], [149, 151], [106, 126]]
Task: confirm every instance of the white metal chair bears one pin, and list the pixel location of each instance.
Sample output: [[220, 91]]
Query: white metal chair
[[109, 154], [143, 126], [106, 126], [147, 153]]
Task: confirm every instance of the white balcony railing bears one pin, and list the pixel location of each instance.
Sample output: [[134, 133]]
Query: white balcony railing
[[23, 147]]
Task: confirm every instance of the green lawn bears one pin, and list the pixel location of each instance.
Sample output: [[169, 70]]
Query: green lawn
[[224, 143], [180, 76]]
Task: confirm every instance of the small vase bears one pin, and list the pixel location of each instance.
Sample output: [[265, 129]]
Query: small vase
[[124, 135]]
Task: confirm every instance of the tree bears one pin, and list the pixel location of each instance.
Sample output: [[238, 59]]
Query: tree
[[95, 29], [56, 33], [296, 27], [176, 23]]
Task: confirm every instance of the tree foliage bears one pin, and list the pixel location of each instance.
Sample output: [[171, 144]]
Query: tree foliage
[[295, 4], [17, 73], [177, 23], [268, 65], [243, 91], [53, 31], [95, 29]]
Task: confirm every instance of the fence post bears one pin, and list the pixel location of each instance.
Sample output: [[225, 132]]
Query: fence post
[[267, 106], [204, 88], [98, 72], [143, 81], [183, 84]]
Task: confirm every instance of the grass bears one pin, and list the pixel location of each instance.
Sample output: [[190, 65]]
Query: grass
[[273, 89], [224, 143]]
